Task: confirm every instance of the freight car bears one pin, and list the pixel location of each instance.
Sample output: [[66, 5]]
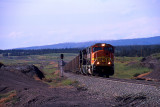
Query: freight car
[[97, 59]]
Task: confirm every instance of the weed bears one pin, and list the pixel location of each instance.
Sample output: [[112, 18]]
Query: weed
[[8, 97]]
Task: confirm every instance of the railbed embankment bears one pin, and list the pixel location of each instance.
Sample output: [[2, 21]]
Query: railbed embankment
[[109, 88]]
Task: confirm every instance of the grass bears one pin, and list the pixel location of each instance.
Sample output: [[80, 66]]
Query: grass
[[128, 67], [36, 59], [8, 97], [56, 81], [47, 63], [67, 82], [156, 55], [125, 67]]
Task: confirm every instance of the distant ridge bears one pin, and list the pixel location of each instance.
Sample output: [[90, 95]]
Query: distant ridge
[[122, 42]]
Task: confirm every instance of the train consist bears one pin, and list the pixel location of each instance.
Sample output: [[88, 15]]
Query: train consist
[[97, 59]]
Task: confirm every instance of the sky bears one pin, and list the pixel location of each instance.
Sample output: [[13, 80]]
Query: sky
[[25, 23]]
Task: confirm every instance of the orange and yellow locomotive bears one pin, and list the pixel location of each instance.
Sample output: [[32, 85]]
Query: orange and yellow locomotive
[[97, 59]]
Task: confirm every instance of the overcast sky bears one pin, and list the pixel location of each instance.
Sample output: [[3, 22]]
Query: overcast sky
[[25, 23]]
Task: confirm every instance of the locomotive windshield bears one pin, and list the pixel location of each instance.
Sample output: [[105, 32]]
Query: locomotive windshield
[[110, 49], [97, 49]]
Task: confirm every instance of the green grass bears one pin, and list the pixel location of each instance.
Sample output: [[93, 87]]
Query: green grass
[[156, 55], [128, 67], [55, 81], [125, 67], [36, 59], [47, 63], [67, 82]]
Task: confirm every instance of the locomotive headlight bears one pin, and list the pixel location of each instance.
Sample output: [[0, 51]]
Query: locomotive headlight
[[98, 63], [103, 44], [109, 63]]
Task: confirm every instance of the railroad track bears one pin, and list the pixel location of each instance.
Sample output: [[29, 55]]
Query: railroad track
[[141, 92], [142, 82], [73, 67], [130, 91]]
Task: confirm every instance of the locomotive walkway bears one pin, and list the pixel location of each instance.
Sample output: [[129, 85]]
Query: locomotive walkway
[[141, 93]]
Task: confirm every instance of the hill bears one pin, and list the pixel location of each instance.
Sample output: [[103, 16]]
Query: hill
[[122, 42], [19, 88]]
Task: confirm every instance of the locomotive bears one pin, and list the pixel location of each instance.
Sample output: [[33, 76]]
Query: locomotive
[[97, 59]]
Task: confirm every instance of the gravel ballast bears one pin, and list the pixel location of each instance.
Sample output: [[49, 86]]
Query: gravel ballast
[[124, 93]]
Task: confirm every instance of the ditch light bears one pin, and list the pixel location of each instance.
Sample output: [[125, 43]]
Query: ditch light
[[103, 44], [109, 63]]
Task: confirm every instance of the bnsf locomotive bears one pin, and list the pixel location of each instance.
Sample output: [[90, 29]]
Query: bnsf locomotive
[[97, 59]]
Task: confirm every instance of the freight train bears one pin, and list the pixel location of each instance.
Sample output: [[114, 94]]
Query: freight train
[[97, 59]]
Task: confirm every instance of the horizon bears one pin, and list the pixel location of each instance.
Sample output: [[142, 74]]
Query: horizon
[[30, 23], [97, 41]]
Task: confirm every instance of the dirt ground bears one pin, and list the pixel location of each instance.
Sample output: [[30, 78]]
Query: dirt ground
[[154, 65], [29, 92], [19, 88]]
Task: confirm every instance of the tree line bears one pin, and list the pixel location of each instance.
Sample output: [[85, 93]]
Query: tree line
[[129, 51], [137, 50], [17, 52]]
